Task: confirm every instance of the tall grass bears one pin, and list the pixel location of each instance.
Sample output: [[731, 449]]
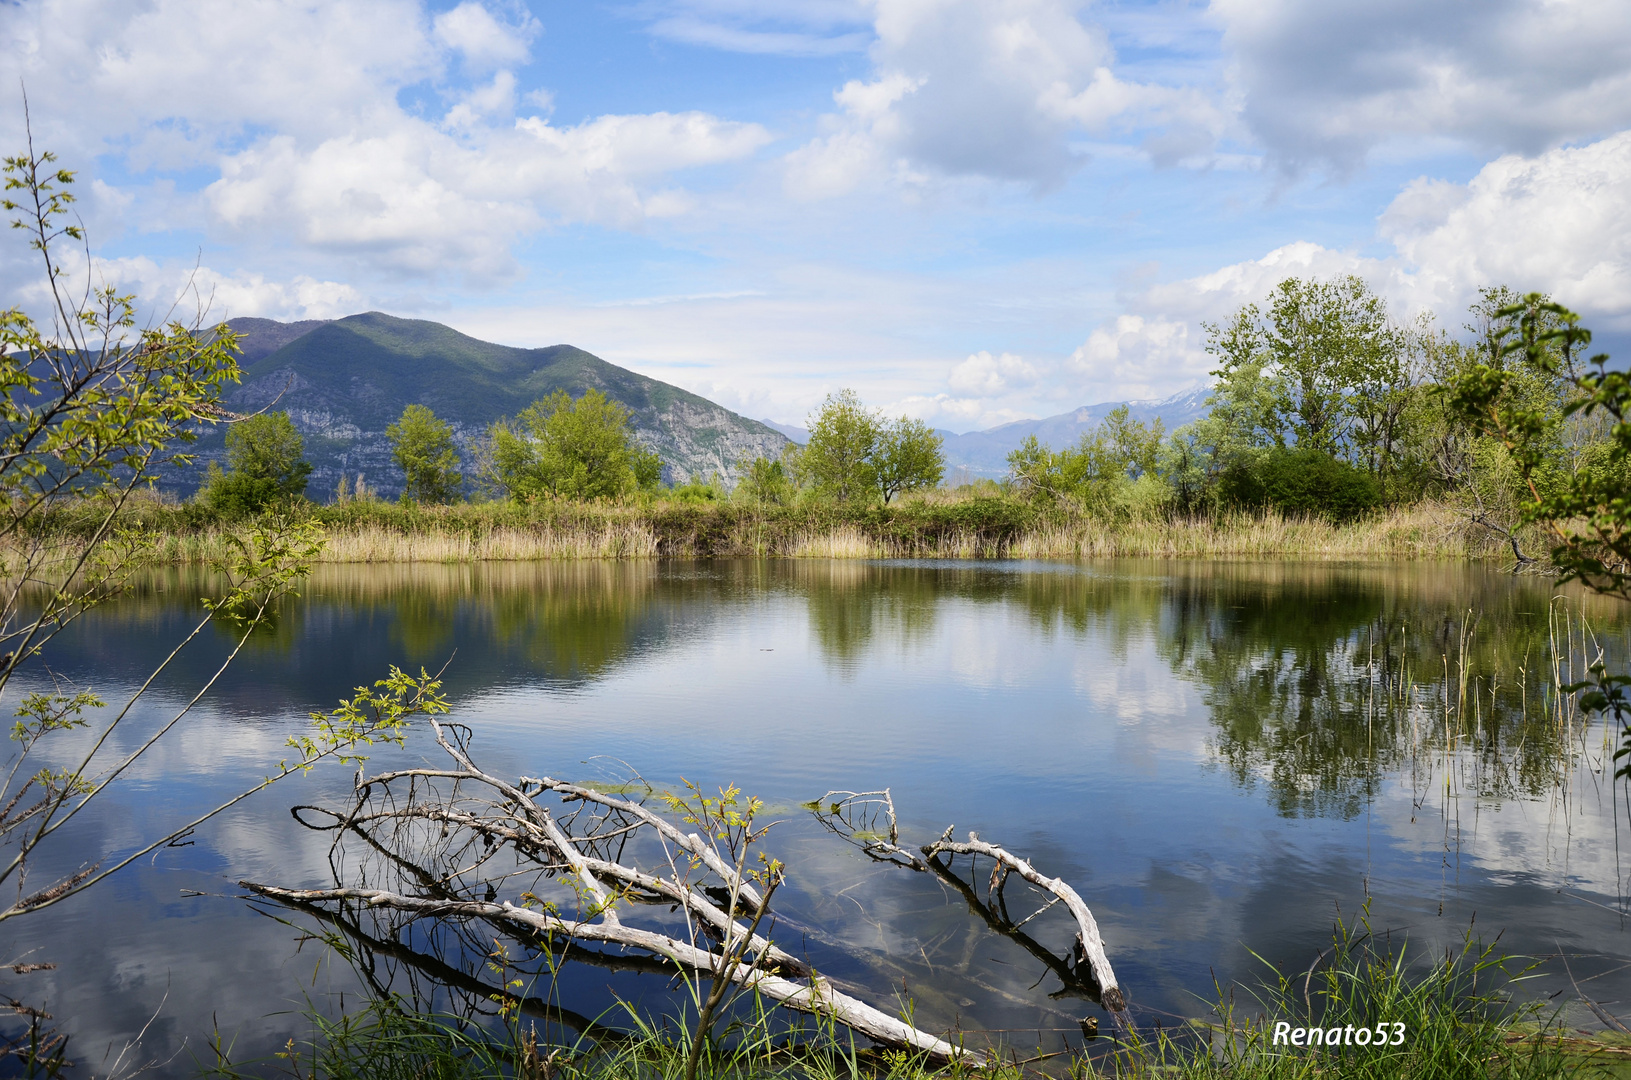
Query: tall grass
[[941, 525], [1422, 531]]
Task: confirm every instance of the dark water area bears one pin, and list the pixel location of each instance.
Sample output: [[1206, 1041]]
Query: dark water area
[[1219, 757]]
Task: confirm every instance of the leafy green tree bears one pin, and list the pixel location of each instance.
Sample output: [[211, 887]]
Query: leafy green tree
[[1101, 472], [1586, 511], [1296, 371], [1474, 467], [839, 458], [1184, 461], [561, 448], [854, 454], [1039, 472], [1385, 390], [907, 457], [423, 448], [265, 465], [1123, 448], [767, 481]]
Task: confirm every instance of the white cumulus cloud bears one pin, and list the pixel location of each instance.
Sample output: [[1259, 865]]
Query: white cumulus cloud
[[298, 109], [485, 41], [995, 89], [1321, 83], [1133, 357], [1559, 222], [985, 376]]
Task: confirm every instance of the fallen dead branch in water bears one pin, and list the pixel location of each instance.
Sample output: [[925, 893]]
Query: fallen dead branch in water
[[867, 819], [589, 872], [448, 839]]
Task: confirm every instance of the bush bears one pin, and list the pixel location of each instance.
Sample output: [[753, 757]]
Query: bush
[[698, 490], [265, 465], [561, 448], [1300, 481]]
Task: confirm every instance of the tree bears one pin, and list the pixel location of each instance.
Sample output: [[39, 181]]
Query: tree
[[90, 412], [1100, 472], [423, 448], [561, 448], [265, 465], [838, 460], [767, 481], [1298, 371], [907, 457], [1183, 462], [1386, 386], [1471, 462], [1586, 511]]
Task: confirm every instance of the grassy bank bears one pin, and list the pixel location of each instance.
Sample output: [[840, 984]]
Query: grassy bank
[[937, 527], [1451, 1018]]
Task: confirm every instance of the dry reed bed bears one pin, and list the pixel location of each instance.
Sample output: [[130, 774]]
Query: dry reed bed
[[1421, 532]]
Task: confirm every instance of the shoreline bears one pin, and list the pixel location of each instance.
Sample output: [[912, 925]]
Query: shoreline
[[944, 526], [969, 529]]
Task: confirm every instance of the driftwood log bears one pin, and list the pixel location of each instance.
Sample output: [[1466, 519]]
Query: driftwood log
[[867, 819], [581, 866]]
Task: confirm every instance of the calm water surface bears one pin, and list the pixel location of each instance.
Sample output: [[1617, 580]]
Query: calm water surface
[[1219, 757]]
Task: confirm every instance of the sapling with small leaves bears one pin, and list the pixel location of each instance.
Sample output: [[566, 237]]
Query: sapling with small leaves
[[92, 410]]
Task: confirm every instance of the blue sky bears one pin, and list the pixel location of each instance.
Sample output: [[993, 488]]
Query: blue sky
[[971, 211]]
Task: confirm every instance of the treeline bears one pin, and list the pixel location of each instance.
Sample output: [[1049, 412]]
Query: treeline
[[1324, 405], [561, 449]]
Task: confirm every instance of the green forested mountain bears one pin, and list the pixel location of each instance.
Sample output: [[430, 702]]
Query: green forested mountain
[[343, 382]]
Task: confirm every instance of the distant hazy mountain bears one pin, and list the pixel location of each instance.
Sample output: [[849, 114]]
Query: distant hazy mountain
[[792, 431], [343, 382], [984, 453]]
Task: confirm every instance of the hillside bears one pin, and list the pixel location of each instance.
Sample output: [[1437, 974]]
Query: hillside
[[343, 382]]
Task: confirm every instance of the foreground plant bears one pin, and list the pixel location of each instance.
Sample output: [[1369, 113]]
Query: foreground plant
[[1456, 1014], [92, 410]]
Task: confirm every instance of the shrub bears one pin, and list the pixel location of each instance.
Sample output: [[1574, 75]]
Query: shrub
[[265, 465], [1300, 481]]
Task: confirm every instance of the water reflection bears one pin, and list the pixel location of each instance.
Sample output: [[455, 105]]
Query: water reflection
[[1213, 754], [1319, 681], [852, 605]]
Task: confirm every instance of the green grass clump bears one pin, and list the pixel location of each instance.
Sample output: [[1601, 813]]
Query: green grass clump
[[1462, 1018]]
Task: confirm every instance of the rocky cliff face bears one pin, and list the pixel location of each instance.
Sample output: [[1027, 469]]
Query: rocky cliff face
[[343, 382]]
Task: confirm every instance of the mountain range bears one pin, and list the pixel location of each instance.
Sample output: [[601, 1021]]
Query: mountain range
[[343, 381]]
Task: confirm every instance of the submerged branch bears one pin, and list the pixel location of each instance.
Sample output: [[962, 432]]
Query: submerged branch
[[867, 819], [446, 840], [1089, 943]]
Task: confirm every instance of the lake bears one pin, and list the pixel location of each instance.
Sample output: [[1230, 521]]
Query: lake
[[1220, 757]]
